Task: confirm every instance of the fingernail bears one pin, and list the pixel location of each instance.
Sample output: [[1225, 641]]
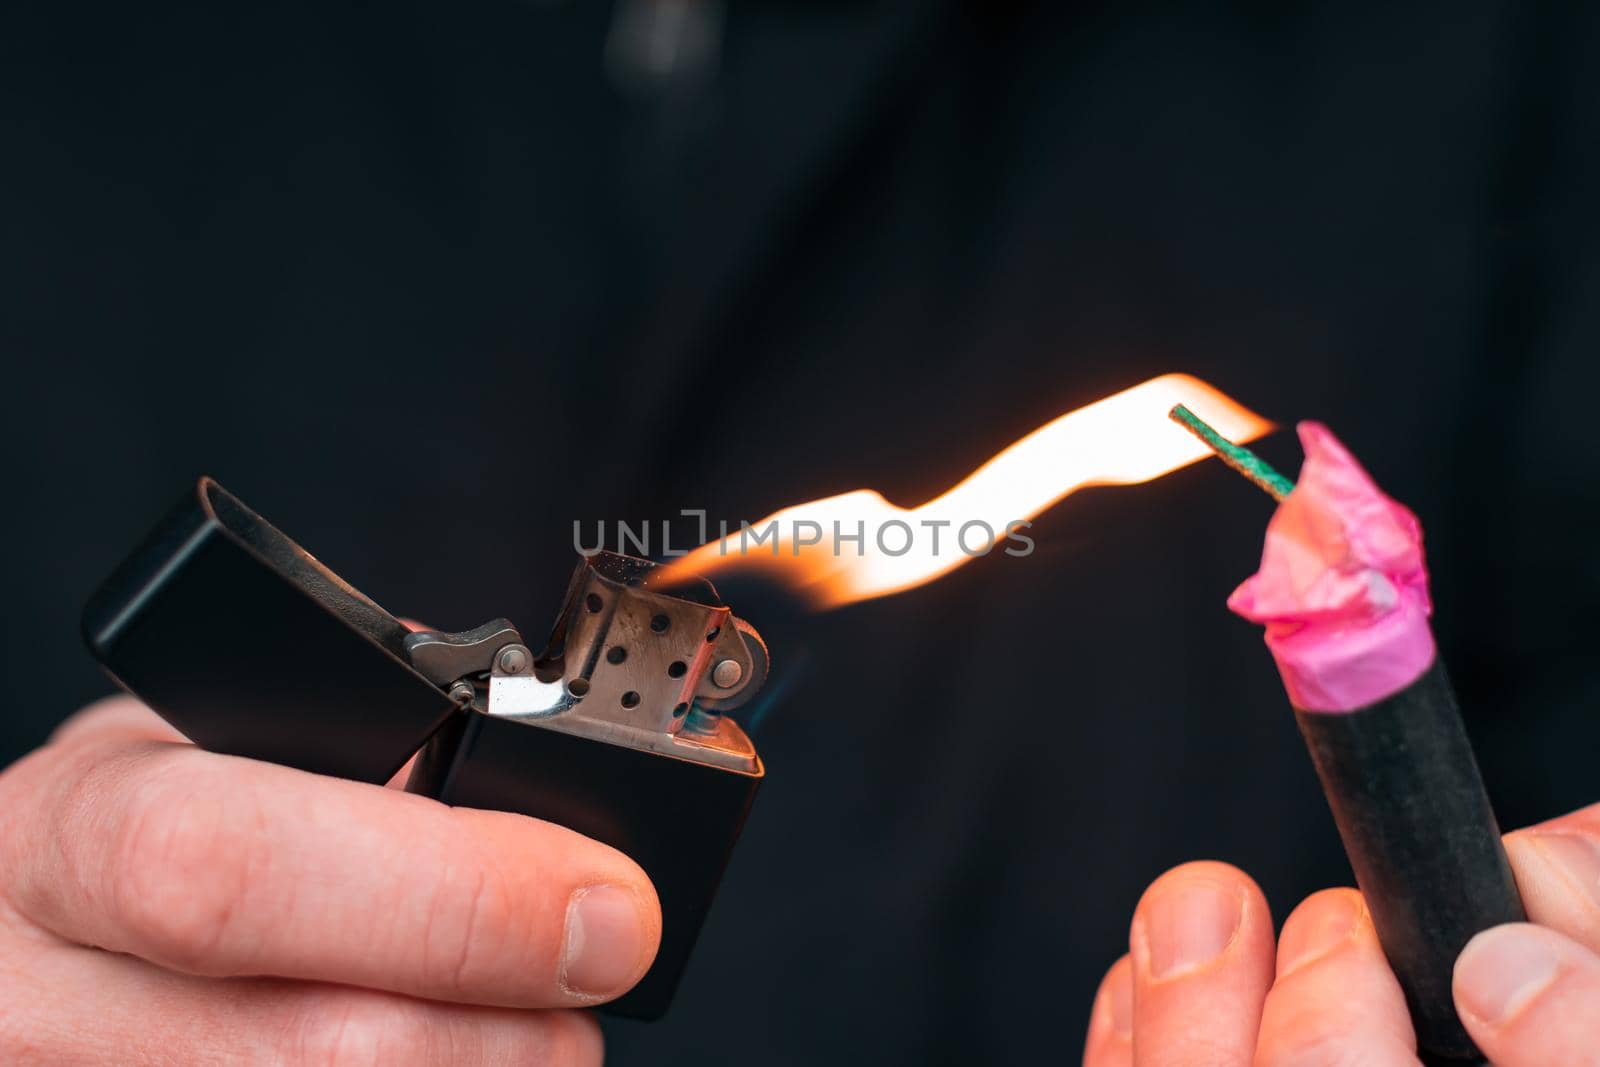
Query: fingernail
[[605, 938], [1188, 926], [1575, 856], [1310, 937], [1502, 969]]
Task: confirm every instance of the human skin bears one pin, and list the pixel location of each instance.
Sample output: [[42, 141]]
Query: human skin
[[160, 904], [1204, 982]]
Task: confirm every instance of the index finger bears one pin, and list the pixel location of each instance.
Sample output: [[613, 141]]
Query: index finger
[[217, 865], [1334, 999]]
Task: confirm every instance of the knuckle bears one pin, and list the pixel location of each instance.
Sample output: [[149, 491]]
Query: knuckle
[[467, 919], [54, 841], [177, 872], [348, 1028]]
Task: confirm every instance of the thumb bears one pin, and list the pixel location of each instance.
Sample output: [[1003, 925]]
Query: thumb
[[1557, 864]]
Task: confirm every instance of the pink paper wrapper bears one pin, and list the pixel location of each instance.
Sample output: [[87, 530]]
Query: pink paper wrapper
[[1343, 587]]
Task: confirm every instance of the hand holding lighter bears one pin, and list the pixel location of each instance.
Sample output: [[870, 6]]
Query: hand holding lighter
[[252, 647]]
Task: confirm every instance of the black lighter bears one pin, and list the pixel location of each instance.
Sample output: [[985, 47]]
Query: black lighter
[[250, 646]]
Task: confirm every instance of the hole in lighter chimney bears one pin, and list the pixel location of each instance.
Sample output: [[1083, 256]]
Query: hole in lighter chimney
[[676, 669], [630, 699], [617, 654], [593, 603]]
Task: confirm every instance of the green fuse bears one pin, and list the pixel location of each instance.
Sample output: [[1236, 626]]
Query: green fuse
[[1242, 460]]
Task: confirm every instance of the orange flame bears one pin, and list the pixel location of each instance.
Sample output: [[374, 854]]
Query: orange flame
[[1124, 439]]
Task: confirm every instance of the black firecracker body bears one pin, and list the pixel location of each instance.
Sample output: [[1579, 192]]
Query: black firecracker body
[[1423, 841], [677, 819]]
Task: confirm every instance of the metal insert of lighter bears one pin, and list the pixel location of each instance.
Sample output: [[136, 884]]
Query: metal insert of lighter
[[251, 646]]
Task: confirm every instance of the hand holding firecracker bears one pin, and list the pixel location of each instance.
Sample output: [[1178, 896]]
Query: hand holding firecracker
[[1432, 954], [1205, 984]]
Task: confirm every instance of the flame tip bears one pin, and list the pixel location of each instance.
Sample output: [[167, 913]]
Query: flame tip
[[1110, 441]]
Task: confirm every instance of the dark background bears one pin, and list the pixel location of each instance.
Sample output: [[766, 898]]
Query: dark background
[[425, 283]]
